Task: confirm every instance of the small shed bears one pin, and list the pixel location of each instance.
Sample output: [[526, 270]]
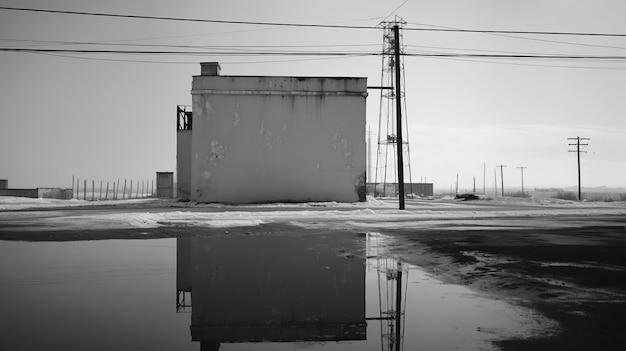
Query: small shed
[[165, 184]]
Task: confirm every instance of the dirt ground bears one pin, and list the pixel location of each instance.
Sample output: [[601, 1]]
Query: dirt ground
[[575, 276], [572, 268]]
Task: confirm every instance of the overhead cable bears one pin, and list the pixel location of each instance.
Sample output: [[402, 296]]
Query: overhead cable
[[306, 24], [313, 53]]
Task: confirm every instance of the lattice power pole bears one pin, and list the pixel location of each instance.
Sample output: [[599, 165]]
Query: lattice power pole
[[392, 138], [578, 151]]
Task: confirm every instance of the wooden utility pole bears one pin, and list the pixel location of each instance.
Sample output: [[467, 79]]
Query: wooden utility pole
[[495, 183], [484, 178], [502, 177], [396, 35], [578, 151], [522, 169]]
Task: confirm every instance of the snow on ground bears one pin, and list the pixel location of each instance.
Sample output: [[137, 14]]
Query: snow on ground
[[20, 203], [373, 214]]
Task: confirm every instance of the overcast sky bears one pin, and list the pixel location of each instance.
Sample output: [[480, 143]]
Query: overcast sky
[[110, 116]]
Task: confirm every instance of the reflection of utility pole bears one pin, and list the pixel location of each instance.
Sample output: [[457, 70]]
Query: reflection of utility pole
[[522, 169], [502, 177], [577, 151], [399, 307]]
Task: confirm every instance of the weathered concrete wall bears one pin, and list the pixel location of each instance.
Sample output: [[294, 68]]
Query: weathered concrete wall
[[44, 193], [55, 193], [32, 193], [253, 288], [271, 139], [183, 164]]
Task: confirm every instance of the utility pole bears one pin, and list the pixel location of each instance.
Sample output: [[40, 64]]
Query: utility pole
[[495, 183], [522, 169], [396, 35], [484, 178], [502, 177], [578, 151], [369, 175]]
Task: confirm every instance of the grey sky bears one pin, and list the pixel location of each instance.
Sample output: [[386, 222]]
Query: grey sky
[[89, 116]]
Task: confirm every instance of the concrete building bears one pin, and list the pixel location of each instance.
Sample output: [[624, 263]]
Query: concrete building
[[391, 189], [258, 139], [42, 193]]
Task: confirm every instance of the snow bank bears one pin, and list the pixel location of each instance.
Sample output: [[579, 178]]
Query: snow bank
[[373, 214]]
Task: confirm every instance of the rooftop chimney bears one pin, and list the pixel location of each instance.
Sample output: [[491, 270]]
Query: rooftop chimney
[[210, 68]]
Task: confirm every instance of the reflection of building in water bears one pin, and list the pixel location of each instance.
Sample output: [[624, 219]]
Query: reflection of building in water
[[269, 288]]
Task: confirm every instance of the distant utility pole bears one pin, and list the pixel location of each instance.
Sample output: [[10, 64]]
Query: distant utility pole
[[495, 183], [578, 151], [502, 177], [522, 169], [369, 175], [474, 184], [484, 178]]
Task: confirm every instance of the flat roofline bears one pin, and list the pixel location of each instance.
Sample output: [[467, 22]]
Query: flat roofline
[[296, 77]]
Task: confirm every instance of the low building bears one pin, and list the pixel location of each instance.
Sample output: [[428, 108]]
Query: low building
[[44, 193], [256, 139], [391, 189]]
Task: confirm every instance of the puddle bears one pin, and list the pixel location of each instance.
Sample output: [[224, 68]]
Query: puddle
[[236, 293]]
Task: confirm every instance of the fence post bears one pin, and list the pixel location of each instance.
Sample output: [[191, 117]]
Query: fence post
[[124, 191], [93, 191], [85, 190], [100, 197], [106, 195], [77, 189]]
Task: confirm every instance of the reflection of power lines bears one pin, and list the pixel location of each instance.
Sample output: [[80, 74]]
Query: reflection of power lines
[[391, 137], [391, 300]]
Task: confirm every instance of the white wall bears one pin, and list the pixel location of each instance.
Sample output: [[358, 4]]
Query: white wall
[[267, 139]]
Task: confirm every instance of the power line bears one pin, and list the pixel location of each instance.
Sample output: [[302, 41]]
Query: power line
[[199, 53], [529, 64], [100, 14], [284, 24], [516, 32], [33, 42], [533, 39], [315, 53]]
